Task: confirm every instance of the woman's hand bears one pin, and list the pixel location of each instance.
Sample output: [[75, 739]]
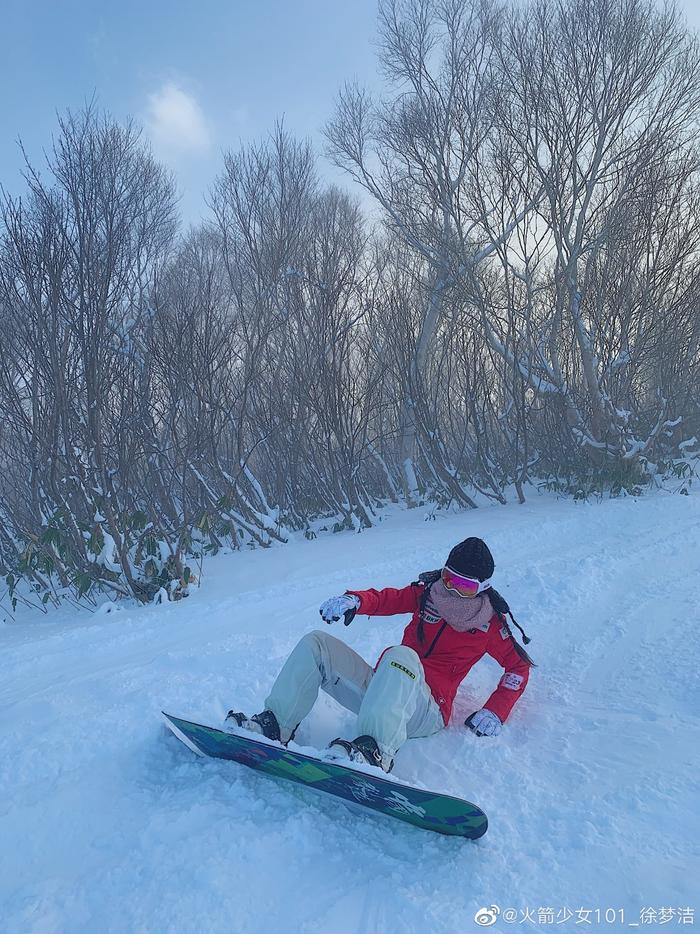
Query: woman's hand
[[346, 605], [484, 723]]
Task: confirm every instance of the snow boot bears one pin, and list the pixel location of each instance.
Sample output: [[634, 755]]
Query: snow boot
[[264, 723], [364, 749]]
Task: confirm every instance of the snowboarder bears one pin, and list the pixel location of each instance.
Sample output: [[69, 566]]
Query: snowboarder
[[457, 617]]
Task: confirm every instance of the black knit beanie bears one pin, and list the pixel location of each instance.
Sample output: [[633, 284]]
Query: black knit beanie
[[471, 558]]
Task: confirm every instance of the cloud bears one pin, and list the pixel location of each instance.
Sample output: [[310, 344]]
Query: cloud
[[176, 122]]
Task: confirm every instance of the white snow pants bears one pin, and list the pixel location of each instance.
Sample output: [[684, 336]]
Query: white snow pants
[[392, 704]]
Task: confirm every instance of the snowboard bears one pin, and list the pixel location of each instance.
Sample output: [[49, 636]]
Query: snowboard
[[427, 809]]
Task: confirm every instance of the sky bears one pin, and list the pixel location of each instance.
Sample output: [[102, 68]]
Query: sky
[[201, 78]]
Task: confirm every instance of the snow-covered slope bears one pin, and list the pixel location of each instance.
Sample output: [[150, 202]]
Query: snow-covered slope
[[109, 824]]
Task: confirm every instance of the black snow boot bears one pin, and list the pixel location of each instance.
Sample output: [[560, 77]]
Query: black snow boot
[[364, 749], [367, 748], [264, 723]]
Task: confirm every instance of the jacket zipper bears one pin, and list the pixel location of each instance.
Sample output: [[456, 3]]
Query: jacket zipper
[[432, 644]]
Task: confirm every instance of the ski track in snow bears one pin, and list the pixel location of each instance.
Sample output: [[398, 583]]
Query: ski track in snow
[[109, 824]]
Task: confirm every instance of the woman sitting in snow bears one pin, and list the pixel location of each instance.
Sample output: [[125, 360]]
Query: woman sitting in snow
[[457, 618]]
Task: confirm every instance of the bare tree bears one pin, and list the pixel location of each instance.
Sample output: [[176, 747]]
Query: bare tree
[[602, 102], [77, 261], [419, 154]]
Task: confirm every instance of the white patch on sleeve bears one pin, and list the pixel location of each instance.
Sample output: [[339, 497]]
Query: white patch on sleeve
[[511, 681], [504, 632]]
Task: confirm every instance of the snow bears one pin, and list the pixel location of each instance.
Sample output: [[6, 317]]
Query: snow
[[109, 824]]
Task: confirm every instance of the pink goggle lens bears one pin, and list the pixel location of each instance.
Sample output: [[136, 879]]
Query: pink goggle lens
[[463, 585]]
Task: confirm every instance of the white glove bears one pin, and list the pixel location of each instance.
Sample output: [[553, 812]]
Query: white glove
[[484, 723], [346, 605]]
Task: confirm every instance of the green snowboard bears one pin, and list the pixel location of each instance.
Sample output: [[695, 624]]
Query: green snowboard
[[427, 809]]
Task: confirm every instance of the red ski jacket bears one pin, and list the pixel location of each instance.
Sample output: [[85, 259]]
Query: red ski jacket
[[447, 655]]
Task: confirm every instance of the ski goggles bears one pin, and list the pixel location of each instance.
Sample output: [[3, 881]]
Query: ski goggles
[[464, 586]]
